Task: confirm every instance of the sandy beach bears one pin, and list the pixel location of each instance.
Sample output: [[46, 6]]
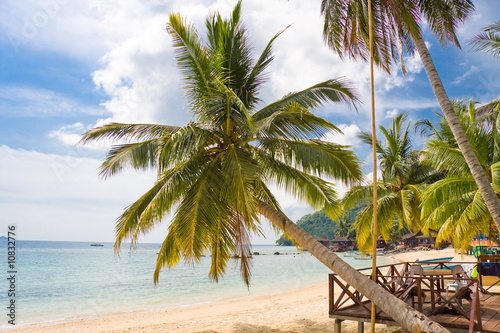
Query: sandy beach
[[302, 310]]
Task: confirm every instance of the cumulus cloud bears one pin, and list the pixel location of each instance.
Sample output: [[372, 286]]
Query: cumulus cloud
[[135, 61], [391, 113], [66, 134], [32, 102], [369, 177], [55, 197], [348, 136]]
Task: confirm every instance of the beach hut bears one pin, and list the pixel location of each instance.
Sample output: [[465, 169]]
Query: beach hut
[[409, 240], [341, 244], [323, 240], [426, 241]]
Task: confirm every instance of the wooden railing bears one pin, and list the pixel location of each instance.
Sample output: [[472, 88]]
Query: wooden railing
[[428, 293]]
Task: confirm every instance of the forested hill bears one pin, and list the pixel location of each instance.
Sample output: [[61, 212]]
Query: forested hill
[[319, 225]]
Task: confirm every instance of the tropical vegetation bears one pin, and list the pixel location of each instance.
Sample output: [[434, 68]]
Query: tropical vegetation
[[453, 205], [318, 224], [214, 174], [398, 31], [403, 177], [488, 41]]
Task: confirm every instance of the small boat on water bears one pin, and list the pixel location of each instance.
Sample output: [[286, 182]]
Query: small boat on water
[[435, 260], [96, 244]]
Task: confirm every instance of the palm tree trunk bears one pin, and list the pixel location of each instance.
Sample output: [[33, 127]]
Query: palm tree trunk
[[482, 182], [409, 318]]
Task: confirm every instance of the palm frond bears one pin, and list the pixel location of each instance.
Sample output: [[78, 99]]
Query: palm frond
[[293, 121], [443, 17], [192, 58], [240, 172], [139, 155], [316, 157], [149, 209], [441, 156], [487, 41], [362, 193], [257, 76], [336, 90], [200, 214], [387, 209], [304, 187], [127, 132], [442, 191]]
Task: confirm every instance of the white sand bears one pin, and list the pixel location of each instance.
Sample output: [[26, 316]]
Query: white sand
[[303, 310]]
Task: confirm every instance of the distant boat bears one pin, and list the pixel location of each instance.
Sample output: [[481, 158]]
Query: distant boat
[[96, 244], [444, 259]]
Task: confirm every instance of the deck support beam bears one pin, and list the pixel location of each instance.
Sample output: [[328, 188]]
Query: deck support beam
[[337, 326], [361, 327]]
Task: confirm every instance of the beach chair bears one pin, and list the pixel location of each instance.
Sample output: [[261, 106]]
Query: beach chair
[[459, 274], [463, 291], [412, 286]]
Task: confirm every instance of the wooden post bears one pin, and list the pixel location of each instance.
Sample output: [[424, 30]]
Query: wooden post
[[337, 326], [361, 327], [374, 147]]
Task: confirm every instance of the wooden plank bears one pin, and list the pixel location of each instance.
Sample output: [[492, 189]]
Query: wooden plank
[[493, 320]]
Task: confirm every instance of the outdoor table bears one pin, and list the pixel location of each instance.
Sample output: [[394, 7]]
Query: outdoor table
[[439, 275]]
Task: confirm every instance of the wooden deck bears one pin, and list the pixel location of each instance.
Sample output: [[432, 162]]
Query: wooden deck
[[431, 300]]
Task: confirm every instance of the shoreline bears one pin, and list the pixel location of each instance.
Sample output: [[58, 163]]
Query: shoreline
[[302, 309]]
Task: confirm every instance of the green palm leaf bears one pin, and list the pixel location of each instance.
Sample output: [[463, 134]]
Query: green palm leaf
[[214, 173], [337, 90], [118, 131]]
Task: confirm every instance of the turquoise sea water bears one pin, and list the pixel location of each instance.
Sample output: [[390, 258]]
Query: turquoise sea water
[[71, 280]]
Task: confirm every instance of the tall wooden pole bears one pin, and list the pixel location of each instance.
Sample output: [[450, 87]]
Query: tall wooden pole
[[374, 140]]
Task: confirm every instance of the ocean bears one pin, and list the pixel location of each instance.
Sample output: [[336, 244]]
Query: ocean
[[73, 280]]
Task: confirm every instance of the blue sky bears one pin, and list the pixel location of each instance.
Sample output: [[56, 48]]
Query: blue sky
[[67, 66]]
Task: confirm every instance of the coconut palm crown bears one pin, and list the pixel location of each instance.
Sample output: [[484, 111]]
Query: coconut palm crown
[[488, 41], [453, 205], [213, 174], [403, 178], [396, 24]]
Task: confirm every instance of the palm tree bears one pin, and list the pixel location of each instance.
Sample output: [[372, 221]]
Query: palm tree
[[213, 173], [453, 205], [399, 189], [488, 40], [396, 24], [343, 225]]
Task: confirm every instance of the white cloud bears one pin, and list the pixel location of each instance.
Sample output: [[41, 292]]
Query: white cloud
[[369, 177], [473, 69], [25, 101], [136, 65], [348, 138], [62, 197], [55, 197], [130, 53], [389, 114], [67, 135]]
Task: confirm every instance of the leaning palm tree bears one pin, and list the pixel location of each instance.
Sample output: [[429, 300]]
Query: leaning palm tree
[[488, 40], [403, 177], [397, 29], [453, 205], [213, 174]]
